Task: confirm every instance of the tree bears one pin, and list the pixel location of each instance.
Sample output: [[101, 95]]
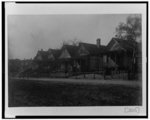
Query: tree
[[131, 29], [14, 67]]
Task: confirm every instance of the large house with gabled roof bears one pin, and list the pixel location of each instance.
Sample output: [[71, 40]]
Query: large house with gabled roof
[[83, 58], [91, 56], [125, 54]]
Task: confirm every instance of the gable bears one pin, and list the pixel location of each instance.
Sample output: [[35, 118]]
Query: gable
[[65, 54], [51, 57], [116, 46], [82, 51]]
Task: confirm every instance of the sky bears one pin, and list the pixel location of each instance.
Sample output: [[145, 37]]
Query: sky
[[29, 33]]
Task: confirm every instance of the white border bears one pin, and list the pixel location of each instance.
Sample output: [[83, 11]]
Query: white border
[[39, 9]]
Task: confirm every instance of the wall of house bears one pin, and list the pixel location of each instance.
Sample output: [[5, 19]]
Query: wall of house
[[139, 64], [96, 63]]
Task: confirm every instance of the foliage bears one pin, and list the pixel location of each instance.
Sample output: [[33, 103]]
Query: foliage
[[14, 67], [131, 29]]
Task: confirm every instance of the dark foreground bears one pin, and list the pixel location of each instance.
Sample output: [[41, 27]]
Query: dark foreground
[[50, 93]]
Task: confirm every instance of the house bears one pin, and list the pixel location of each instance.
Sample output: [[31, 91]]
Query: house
[[68, 57], [84, 58], [69, 52], [53, 54], [41, 60], [90, 56], [47, 59], [41, 55], [53, 57], [138, 58], [123, 54]]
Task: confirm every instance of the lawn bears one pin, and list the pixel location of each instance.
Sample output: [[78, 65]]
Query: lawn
[[50, 93]]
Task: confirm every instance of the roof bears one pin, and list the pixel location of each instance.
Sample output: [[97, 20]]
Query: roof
[[93, 49], [128, 45], [55, 52], [71, 49], [43, 54]]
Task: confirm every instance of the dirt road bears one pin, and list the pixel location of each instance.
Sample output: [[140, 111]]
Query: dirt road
[[87, 81]]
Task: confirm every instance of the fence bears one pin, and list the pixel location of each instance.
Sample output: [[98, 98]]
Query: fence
[[103, 74]]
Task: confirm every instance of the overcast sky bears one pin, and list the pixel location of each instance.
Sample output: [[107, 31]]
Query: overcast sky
[[29, 33]]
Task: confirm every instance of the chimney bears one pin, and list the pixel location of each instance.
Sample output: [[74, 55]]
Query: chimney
[[98, 42]]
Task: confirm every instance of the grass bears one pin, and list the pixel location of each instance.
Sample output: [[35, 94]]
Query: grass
[[46, 93]]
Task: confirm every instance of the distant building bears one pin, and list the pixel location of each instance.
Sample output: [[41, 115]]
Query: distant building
[[46, 60]]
